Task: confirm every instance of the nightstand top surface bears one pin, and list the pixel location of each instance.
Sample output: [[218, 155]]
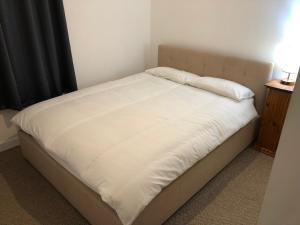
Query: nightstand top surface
[[279, 86]]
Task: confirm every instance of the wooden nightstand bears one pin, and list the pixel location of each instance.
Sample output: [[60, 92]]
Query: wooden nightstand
[[273, 116]]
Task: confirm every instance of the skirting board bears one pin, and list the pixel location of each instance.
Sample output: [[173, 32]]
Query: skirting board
[[10, 143]]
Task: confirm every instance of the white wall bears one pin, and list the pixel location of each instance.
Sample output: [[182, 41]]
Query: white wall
[[282, 200], [109, 38], [248, 28], [8, 133]]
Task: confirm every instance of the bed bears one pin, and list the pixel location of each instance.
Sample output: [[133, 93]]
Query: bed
[[85, 197]]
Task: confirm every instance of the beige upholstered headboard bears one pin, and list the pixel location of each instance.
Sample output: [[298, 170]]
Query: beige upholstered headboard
[[250, 73]]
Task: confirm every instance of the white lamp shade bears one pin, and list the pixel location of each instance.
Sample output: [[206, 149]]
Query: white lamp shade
[[287, 57], [287, 53]]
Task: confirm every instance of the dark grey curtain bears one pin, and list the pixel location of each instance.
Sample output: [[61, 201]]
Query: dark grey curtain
[[35, 56]]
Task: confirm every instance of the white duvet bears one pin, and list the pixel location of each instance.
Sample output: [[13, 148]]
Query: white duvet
[[130, 138]]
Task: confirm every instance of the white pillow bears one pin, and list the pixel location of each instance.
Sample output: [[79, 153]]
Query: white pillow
[[223, 87], [179, 76]]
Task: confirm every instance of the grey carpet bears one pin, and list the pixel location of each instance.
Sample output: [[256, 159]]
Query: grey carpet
[[233, 197]]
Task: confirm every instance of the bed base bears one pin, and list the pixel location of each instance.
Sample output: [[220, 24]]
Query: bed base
[[90, 205]]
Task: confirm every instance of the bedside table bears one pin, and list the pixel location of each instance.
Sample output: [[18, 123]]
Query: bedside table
[[273, 116]]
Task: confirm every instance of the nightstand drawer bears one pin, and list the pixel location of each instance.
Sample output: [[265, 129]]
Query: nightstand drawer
[[276, 107], [272, 121]]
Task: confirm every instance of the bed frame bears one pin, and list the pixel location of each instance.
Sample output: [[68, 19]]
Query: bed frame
[[248, 72]]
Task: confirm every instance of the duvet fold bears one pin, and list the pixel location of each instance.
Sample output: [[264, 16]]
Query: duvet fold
[[128, 139]]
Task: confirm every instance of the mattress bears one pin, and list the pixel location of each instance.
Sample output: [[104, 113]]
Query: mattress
[[128, 139]]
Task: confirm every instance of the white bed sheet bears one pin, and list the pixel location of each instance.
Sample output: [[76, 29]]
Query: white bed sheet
[[130, 138]]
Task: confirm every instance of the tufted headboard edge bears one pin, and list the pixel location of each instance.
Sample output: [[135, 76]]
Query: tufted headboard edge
[[251, 73]]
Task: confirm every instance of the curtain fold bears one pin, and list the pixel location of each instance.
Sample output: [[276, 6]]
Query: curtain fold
[[35, 55]]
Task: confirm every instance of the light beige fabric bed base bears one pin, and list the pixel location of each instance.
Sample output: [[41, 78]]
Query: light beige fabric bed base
[[250, 73], [89, 204]]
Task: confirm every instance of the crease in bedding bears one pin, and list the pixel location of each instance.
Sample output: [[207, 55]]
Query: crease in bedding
[[128, 139]]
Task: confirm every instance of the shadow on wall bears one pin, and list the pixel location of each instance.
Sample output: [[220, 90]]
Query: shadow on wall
[[7, 115], [8, 132]]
